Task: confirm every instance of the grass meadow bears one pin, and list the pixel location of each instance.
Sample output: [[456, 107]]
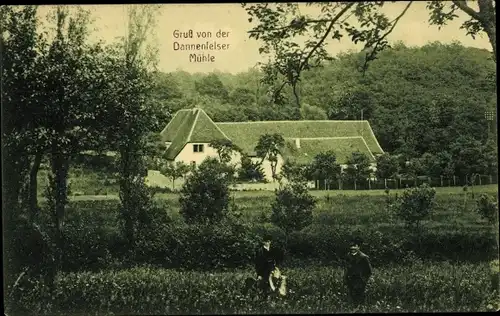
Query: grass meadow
[[418, 287], [408, 276]]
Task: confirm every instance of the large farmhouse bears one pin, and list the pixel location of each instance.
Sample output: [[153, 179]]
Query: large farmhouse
[[189, 133]]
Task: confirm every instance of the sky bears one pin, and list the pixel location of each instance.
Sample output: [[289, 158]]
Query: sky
[[241, 52]]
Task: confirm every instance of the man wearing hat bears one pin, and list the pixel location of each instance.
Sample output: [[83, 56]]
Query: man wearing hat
[[357, 274], [266, 268]]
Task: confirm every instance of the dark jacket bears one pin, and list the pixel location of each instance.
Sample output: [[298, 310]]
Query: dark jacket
[[265, 262], [358, 268]]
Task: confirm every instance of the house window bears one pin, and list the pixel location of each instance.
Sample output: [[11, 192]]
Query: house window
[[198, 148]]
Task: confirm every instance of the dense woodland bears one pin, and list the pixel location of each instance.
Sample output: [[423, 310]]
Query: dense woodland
[[425, 101]]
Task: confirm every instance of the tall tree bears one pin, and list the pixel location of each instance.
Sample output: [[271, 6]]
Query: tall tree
[[134, 62], [325, 167], [358, 168], [74, 91], [270, 146], [280, 24], [482, 19], [19, 86]]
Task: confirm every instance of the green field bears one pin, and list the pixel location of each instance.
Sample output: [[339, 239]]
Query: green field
[[415, 287], [491, 188], [443, 269], [86, 184]]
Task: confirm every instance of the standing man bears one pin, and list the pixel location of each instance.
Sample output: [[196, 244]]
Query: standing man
[[265, 264], [357, 274]]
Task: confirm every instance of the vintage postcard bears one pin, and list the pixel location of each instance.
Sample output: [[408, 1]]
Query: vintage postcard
[[250, 158]]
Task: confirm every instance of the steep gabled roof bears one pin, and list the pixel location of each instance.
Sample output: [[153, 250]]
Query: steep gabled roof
[[246, 134], [343, 147], [189, 126]]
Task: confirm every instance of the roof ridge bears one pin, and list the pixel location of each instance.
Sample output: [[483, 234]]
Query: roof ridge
[[297, 121], [192, 127], [376, 140], [364, 141], [171, 120], [334, 137], [177, 132], [217, 127]]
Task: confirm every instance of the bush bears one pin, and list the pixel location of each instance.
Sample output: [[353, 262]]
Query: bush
[[293, 171], [293, 206], [94, 242], [204, 197], [487, 208], [415, 205], [250, 171]]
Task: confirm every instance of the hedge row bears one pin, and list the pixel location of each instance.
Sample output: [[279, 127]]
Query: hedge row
[[419, 287], [195, 247], [93, 240]]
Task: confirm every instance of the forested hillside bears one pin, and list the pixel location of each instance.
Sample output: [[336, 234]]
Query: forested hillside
[[417, 99]]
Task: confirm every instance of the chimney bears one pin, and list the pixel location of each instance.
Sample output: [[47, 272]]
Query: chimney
[[297, 142]]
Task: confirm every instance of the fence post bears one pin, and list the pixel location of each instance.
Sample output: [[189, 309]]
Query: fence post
[[415, 182], [429, 179], [491, 179], [479, 180], [466, 179], [385, 183], [369, 184], [400, 183], [441, 180], [454, 181]]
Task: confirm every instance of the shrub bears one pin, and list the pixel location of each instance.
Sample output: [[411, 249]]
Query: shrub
[[324, 167], [204, 197], [293, 171], [250, 171], [487, 208], [293, 206], [415, 205]]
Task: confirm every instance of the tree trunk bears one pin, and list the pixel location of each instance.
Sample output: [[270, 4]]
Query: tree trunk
[[60, 167], [487, 18], [297, 99], [33, 185], [125, 193]]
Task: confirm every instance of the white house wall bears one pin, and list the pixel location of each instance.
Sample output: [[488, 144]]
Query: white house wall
[[266, 167], [187, 155]]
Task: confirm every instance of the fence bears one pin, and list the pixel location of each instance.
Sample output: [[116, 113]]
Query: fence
[[401, 183]]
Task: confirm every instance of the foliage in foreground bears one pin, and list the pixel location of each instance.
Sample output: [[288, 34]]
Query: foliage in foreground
[[205, 195], [415, 205], [292, 210], [418, 287], [93, 239]]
